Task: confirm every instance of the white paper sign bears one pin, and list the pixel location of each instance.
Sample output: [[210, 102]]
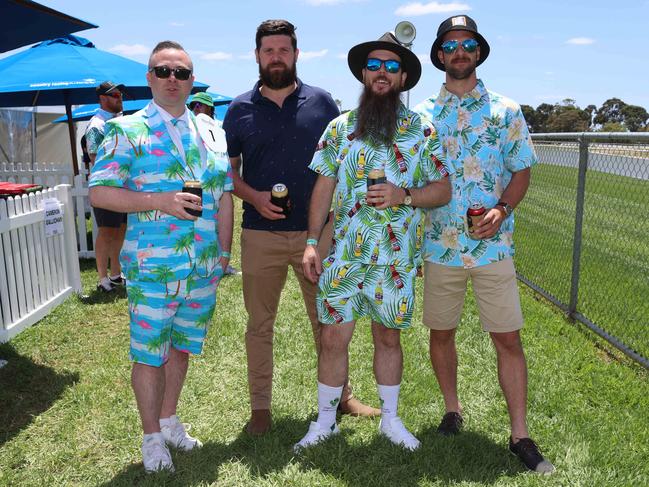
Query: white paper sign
[[211, 133], [53, 217]]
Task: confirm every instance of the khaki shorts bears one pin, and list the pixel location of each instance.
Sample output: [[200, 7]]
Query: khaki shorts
[[494, 287]]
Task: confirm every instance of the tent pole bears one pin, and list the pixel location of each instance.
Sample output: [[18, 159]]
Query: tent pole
[[73, 138]]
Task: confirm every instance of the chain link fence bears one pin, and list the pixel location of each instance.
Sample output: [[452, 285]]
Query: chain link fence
[[581, 233]]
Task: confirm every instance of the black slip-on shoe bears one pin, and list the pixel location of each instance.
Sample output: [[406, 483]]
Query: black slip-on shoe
[[451, 424], [529, 453]]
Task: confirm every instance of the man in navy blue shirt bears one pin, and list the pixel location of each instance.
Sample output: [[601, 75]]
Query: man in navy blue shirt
[[274, 129]]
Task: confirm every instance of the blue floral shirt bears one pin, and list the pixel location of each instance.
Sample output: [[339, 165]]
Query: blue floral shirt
[[485, 140]]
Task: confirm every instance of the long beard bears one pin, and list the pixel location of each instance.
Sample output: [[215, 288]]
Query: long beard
[[276, 80], [377, 116]]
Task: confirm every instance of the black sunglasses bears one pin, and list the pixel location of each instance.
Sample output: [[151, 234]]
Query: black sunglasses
[[163, 72]]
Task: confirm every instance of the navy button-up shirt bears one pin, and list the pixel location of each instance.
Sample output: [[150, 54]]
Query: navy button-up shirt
[[277, 145]]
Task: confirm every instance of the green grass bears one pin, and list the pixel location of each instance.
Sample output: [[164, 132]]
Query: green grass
[[613, 287], [68, 416]]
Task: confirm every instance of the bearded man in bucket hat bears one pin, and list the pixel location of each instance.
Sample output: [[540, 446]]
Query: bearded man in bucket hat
[[489, 154], [376, 251]]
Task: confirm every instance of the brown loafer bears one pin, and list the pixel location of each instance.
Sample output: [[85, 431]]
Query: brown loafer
[[260, 422], [355, 408]]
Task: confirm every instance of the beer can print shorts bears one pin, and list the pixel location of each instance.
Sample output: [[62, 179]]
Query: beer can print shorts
[[347, 292], [174, 314]]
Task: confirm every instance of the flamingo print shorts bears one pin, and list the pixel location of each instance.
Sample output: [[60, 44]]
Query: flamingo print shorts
[[385, 293], [174, 314]]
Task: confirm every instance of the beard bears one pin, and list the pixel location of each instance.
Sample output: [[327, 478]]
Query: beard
[[377, 115], [278, 79], [461, 73]]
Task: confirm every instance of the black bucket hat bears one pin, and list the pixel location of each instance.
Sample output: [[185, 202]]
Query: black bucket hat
[[357, 58], [458, 22]]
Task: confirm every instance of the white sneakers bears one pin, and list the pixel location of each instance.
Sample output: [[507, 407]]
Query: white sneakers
[[392, 428], [155, 454], [316, 434], [398, 434], [176, 435]]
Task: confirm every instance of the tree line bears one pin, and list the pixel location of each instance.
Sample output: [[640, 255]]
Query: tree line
[[613, 116]]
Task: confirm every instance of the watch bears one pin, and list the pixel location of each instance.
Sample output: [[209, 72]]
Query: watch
[[506, 206], [408, 199]]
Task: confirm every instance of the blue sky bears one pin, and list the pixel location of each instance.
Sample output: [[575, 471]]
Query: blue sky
[[541, 51]]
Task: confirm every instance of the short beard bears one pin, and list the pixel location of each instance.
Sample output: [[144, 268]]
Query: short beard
[[276, 80], [460, 73], [377, 116]]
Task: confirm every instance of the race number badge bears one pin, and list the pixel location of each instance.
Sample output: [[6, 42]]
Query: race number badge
[[211, 133]]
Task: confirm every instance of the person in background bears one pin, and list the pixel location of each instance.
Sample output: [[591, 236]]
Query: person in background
[[111, 225], [202, 102], [489, 154]]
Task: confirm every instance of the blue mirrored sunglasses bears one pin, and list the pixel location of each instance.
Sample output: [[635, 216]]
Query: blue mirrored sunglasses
[[391, 65], [468, 45]]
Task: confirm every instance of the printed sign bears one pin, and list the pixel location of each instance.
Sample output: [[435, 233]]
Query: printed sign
[[53, 217]]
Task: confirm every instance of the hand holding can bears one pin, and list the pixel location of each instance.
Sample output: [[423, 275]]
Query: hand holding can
[[474, 215], [376, 176], [194, 187], [279, 197]]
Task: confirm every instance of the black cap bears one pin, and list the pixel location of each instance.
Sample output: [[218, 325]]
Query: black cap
[[357, 58], [108, 87], [458, 22]]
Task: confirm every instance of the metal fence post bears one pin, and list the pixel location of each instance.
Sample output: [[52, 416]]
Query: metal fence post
[[579, 221]]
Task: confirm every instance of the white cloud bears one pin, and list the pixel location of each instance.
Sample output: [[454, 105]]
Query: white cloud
[[580, 41], [176, 24], [131, 49], [248, 55], [417, 8], [319, 3], [216, 56], [306, 55], [342, 55], [424, 58]]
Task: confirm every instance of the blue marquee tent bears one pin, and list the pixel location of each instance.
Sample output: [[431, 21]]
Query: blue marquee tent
[[24, 22]]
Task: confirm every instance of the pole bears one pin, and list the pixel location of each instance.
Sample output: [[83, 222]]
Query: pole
[[73, 138]]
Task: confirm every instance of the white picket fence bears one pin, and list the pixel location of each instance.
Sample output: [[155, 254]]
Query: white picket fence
[[50, 175], [36, 272]]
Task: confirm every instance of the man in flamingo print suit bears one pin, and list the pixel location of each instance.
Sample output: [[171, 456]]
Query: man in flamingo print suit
[[173, 259]]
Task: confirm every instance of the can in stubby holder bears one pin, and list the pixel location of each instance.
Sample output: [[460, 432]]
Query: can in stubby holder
[[194, 187], [376, 176], [279, 197], [474, 215]]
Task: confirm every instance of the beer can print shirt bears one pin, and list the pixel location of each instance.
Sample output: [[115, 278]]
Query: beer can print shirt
[[363, 234], [484, 140]]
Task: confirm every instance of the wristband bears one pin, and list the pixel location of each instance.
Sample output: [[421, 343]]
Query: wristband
[[226, 254], [312, 241]]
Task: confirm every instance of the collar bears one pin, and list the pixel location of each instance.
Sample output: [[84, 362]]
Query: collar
[[299, 92], [476, 93], [167, 117]]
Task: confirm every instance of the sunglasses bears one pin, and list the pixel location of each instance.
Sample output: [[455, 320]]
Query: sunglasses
[[115, 94], [163, 72], [391, 65], [468, 45]]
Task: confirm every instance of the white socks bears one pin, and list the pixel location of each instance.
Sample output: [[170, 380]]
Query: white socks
[[170, 421], [328, 400], [389, 399]]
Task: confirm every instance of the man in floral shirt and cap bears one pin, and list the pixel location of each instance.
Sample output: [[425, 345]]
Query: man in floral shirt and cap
[[378, 230], [488, 153]]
